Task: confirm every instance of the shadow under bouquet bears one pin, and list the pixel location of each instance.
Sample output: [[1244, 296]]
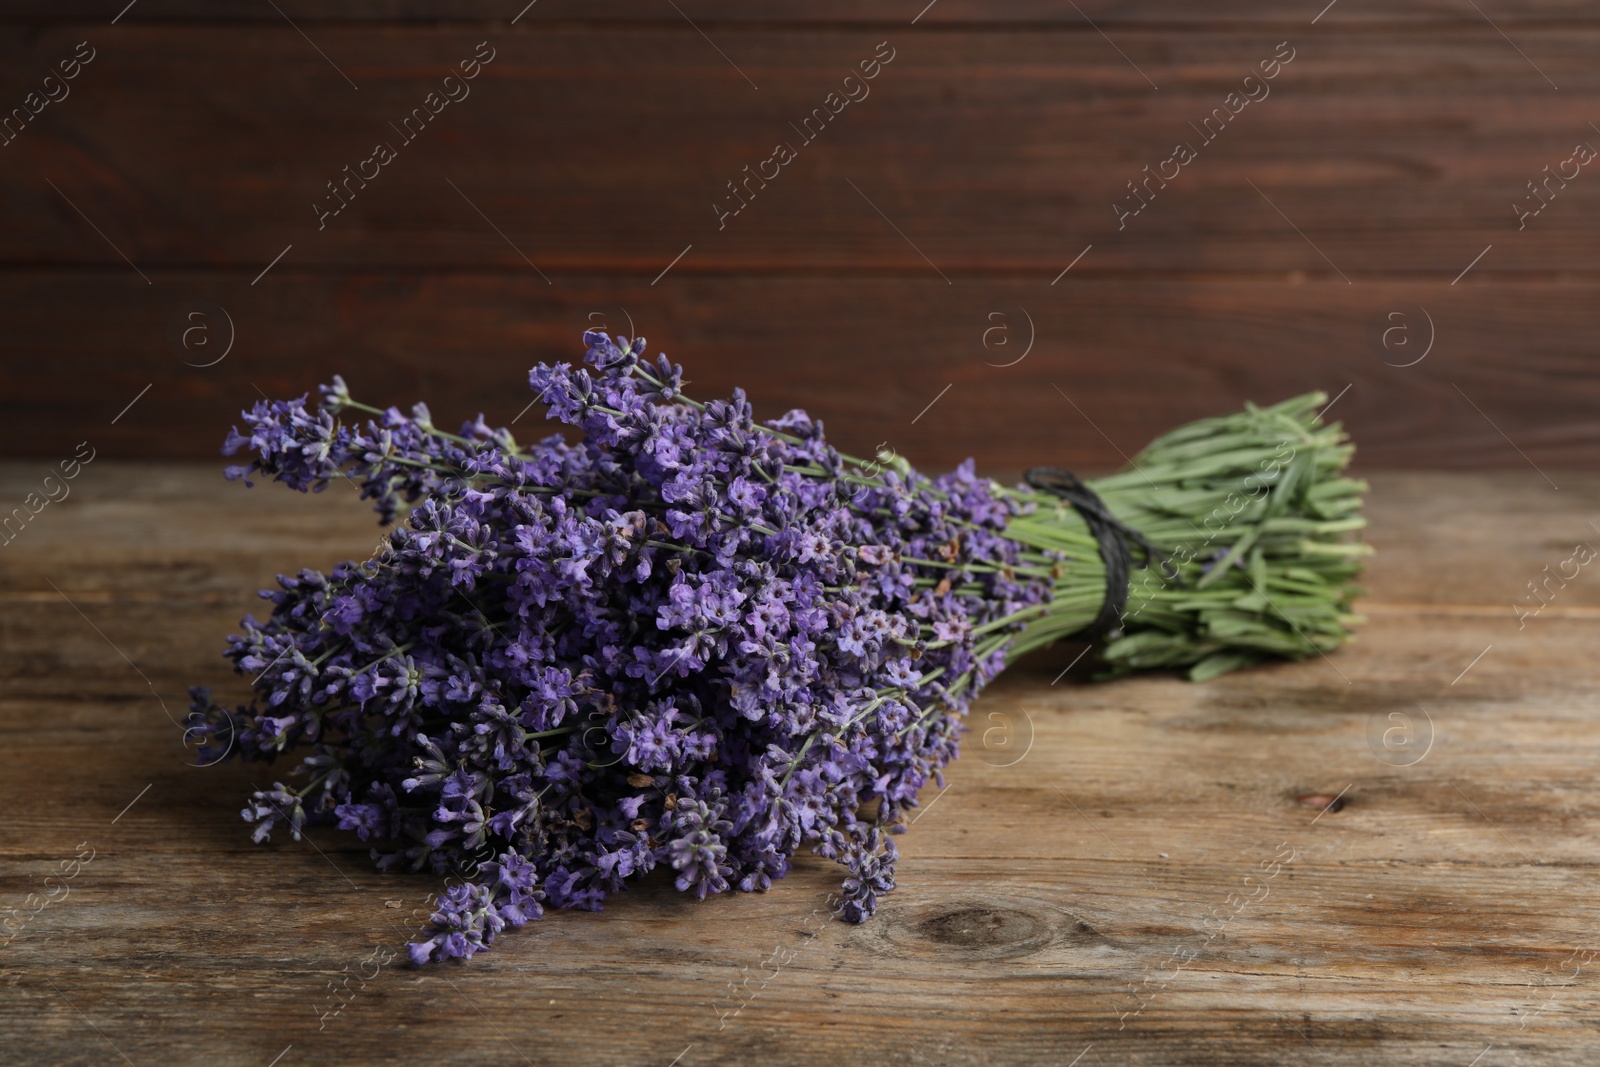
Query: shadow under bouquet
[[696, 641]]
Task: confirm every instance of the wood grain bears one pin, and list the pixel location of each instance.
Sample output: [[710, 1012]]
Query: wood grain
[[861, 281], [988, 150], [1435, 914], [1114, 362], [1049, 13]]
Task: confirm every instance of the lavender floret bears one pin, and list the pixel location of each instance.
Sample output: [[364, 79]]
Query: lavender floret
[[689, 640]]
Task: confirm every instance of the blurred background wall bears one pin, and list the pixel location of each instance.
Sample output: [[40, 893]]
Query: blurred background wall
[[958, 228]]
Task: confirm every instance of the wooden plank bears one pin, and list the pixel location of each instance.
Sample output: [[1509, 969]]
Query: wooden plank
[[1392, 153], [1432, 917], [1046, 13], [1115, 360]]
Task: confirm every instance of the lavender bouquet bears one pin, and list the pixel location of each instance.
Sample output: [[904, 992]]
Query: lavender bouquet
[[696, 641]]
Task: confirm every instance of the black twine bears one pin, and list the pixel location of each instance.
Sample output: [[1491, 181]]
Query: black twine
[[1117, 541]]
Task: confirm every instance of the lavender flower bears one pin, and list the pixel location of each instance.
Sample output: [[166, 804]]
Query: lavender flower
[[689, 639]]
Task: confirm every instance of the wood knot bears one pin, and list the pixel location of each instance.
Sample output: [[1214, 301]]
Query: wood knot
[[986, 931], [1328, 802], [980, 929], [973, 927]]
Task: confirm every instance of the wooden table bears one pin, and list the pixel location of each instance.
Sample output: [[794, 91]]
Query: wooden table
[[1126, 873]]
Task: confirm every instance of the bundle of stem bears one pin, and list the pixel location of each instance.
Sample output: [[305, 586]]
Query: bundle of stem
[[1258, 523], [1251, 511]]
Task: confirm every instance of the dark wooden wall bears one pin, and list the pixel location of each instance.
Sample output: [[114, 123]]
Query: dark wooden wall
[[927, 223]]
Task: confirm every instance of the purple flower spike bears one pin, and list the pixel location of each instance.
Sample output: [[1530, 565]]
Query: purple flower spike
[[689, 640]]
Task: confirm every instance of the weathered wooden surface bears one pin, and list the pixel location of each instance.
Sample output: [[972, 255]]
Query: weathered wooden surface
[[842, 12], [983, 163], [1078, 398], [1445, 911]]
